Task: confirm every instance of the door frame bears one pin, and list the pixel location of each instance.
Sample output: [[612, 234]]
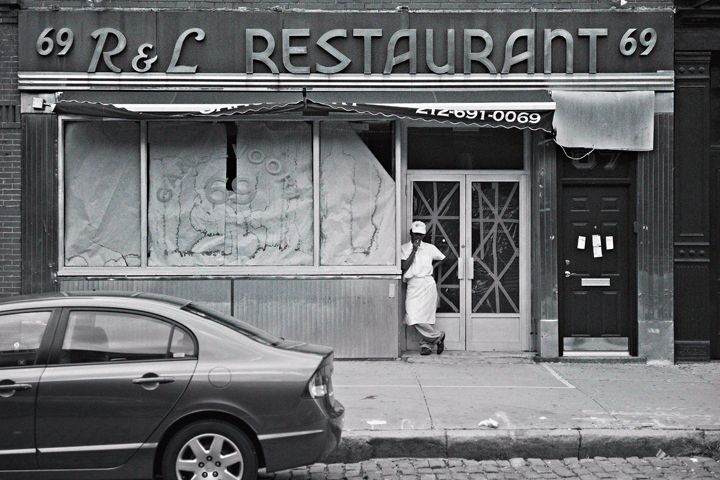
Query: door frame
[[445, 176], [631, 183], [524, 258], [466, 178]]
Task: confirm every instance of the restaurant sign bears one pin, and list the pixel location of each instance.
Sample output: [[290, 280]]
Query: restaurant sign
[[334, 43]]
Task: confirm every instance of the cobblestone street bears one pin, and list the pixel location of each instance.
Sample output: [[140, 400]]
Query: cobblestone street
[[460, 469]]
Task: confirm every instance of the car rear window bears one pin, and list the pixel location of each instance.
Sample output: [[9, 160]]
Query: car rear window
[[233, 323]]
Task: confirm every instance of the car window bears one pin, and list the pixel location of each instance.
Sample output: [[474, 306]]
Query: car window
[[20, 336], [182, 344], [235, 324], [101, 336]]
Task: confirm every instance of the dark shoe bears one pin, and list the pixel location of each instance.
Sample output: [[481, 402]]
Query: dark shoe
[[441, 344], [425, 350]]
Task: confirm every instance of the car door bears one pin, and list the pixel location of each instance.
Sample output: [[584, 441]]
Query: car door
[[24, 338], [112, 377]]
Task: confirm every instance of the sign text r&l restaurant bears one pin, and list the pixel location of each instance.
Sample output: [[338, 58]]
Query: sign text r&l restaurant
[[548, 44]]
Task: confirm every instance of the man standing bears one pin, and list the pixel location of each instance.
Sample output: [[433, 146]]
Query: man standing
[[421, 297]]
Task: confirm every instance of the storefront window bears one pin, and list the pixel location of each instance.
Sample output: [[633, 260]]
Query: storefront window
[[102, 194], [175, 196], [239, 200], [357, 194]]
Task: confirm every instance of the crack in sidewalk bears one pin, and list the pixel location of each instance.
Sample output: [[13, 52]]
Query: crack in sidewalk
[[422, 391], [580, 439], [581, 391]]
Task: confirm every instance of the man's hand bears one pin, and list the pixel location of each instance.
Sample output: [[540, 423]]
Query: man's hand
[[405, 264]]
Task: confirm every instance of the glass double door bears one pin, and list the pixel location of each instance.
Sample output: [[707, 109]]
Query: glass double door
[[481, 223]]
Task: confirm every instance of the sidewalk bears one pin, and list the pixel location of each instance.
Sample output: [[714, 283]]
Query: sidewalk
[[431, 407]]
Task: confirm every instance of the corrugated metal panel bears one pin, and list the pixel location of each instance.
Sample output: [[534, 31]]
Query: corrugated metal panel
[[544, 240], [655, 244], [358, 317], [213, 293], [39, 200]]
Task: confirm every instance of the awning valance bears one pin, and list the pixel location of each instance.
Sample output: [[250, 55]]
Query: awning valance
[[532, 115], [604, 120], [105, 110], [579, 119]]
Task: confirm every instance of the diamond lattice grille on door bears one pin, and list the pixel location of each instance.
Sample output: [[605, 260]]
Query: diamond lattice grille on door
[[438, 205], [495, 247]]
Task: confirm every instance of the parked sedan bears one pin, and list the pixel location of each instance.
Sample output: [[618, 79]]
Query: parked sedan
[[140, 386]]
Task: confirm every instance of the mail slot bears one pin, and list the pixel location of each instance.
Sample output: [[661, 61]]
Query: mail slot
[[594, 282]]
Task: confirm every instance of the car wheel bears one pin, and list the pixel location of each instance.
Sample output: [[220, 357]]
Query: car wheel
[[210, 450]]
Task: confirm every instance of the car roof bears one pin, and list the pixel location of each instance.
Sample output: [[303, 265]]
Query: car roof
[[62, 297]]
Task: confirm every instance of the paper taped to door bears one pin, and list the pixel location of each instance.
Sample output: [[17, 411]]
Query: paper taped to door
[[609, 243]]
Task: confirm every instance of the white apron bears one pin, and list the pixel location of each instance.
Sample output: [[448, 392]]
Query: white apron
[[420, 300]]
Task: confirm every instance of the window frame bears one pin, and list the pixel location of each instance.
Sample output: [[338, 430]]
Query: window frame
[[43, 351], [64, 319], [235, 270]]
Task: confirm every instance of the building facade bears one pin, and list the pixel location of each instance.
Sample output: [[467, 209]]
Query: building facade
[[268, 161], [697, 164]]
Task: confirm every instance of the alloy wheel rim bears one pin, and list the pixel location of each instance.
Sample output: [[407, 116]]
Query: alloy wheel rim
[[209, 456]]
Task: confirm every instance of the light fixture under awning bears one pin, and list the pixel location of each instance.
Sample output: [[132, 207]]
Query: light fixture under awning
[[604, 120]]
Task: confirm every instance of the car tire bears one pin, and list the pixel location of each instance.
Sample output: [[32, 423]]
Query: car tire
[[210, 449]]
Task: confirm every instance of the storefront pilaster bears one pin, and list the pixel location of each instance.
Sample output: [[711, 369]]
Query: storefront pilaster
[[39, 203], [655, 241], [544, 255]]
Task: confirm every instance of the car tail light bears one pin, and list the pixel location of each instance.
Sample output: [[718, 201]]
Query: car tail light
[[320, 384]]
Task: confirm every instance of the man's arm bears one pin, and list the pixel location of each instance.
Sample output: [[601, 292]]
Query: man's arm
[[438, 257]]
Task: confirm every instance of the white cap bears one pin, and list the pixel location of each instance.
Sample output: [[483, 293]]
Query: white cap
[[418, 227]]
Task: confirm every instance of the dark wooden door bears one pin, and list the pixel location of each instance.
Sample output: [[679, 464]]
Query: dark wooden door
[[596, 262]]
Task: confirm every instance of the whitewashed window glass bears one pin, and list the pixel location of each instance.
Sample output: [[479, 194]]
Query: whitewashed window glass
[[357, 194], [102, 194], [200, 212]]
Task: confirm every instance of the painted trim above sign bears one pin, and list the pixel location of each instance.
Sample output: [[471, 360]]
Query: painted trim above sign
[[65, 81]]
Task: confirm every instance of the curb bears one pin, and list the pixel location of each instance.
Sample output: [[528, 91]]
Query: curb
[[360, 445], [613, 360]]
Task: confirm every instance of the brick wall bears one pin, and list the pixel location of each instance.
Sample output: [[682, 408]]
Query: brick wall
[[10, 135], [352, 4]]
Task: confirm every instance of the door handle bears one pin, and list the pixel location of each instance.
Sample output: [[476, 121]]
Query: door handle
[[569, 274], [151, 379], [461, 270], [14, 387], [8, 390], [471, 268]]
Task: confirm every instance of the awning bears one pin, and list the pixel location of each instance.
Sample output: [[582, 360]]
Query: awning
[[464, 111], [604, 120], [122, 111], [421, 106], [580, 119]]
